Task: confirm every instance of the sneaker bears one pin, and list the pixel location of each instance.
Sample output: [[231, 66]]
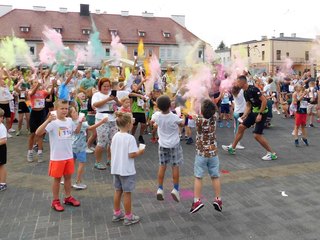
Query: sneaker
[[9, 135], [62, 182], [129, 221], [40, 158], [92, 148], [30, 157], [229, 149], [196, 206], [117, 218], [221, 124], [79, 186], [217, 203], [71, 201], [175, 195], [108, 164], [278, 112], [296, 142], [88, 150], [141, 140], [11, 130], [228, 125], [269, 157], [35, 148], [189, 141], [311, 125], [56, 205], [305, 141], [240, 147], [160, 194], [3, 187], [18, 133], [100, 166]]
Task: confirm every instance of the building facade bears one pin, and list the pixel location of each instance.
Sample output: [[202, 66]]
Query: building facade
[[273, 54], [158, 33]]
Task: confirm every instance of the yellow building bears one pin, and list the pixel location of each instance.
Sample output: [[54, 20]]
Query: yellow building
[[271, 55]]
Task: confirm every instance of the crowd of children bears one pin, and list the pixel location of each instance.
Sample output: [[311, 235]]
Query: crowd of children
[[96, 108]]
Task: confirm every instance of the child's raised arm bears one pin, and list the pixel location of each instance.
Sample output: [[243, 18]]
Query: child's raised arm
[[98, 124]]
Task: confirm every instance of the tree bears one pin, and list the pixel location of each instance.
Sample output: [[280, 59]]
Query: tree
[[221, 46]]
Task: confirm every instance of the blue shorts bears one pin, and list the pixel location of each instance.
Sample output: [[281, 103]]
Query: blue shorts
[[203, 164], [80, 157], [225, 108], [124, 183]]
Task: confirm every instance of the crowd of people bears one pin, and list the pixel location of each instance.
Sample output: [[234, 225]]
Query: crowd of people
[[81, 113]]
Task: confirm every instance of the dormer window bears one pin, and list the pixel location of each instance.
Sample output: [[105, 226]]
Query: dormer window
[[141, 33], [113, 32], [86, 31], [166, 34], [58, 30], [25, 29]]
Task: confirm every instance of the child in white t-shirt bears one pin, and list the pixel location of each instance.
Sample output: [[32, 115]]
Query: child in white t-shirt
[[60, 129], [79, 144], [170, 150], [3, 153], [123, 151]]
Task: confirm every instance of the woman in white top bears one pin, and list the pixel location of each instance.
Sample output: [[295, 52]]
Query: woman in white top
[[239, 104], [104, 102], [5, 96]]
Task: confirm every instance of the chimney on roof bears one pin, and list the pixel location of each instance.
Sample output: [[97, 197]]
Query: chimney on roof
[[124, 13], [181, 19], [264, 37], [281, 35], [4, 9], [84, 10], [293, 35], [39, 8], [147, 14], [63, 10]]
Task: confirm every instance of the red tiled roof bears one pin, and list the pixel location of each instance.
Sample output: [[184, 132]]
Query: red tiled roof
[[72, 24]]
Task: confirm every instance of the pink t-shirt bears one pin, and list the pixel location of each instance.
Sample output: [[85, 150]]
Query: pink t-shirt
[[38, 99]]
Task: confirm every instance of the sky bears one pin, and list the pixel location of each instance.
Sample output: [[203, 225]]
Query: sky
[[230, 21]]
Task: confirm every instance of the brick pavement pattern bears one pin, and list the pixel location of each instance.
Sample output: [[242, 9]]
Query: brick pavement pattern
[[251, 191]]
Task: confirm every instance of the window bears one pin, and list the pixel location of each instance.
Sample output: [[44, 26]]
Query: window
[[86, 31], [200, 54], [278, 54], [150, 51], [107, 52], [306, 55], [169, 53], [113, 32], [162, 53], [24, 29], [58, 30], [141, 33], [135, 52], [32, 50], [166, 34], [262, 55], [287, 54]]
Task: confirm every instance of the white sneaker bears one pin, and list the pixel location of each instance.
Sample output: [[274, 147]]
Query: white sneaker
[[92, 148], [9, 135], [269, 157], [11, 130], [79, 186], [226, 147], [88, 150], [30, 157], [175, 195], [160, 194], [278, 112], [240, 147]]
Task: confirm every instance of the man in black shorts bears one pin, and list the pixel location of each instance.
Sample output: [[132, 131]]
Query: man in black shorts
[[255, 113]]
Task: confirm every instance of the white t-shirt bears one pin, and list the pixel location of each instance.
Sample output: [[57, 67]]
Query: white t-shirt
[[97, 97], [60, 138], [168, 129], [266, 89], [239, 102], [3, 131], [122, 144]]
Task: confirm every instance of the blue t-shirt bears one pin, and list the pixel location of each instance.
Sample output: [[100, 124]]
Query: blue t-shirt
[[79, 141]]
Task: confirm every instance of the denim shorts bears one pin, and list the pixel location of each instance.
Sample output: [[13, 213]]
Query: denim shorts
[[80, 157], [124, 183], [203, 164]]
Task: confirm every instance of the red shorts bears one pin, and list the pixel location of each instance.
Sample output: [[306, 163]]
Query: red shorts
[[301, 119], [57, 169]]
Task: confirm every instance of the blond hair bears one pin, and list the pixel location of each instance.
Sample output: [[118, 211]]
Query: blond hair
[[123, 119]]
